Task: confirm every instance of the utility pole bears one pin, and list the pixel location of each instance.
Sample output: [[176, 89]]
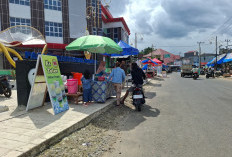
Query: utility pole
[[199, 43], [152, 51], [216, 53]]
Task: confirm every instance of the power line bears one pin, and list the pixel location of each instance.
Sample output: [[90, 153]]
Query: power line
[[177, 46]]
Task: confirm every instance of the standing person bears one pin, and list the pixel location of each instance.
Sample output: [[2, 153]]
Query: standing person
[[118, 76], [87, 88], [123, 66], [137, 78], [101, 69]]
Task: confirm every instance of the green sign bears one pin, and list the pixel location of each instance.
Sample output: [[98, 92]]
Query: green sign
[[167, 56], [48, 78], [55, 84]]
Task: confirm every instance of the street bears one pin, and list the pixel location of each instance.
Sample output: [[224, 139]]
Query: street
[[183, 118]]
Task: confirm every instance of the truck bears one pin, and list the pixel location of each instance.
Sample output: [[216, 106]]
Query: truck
[[186, 68]]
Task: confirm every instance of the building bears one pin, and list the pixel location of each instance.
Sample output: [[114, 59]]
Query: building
[[190, 54], [114, 28], [60, 21], [167, 57], [206, 57], [193, 56]]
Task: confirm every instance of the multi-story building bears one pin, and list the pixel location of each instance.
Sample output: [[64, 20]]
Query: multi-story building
[[114, 28], [61, 22], [206, 57]]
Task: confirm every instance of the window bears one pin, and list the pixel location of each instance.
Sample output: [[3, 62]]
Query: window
[[100, 31], [21, 2], [108, 33], [53, 29], [52, 4], [116, 35], [19, 21], [94, 31]]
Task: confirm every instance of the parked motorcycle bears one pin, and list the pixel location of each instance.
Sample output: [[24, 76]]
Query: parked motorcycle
[[138, 97], [5, 86], [195, 75], [209, 74]]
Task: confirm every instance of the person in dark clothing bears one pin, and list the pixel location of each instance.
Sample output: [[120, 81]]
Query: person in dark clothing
[[137, 74], [137, 78], [87, 88]]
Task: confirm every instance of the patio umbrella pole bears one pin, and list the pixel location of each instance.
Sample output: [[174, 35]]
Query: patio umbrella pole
[[95, 67]]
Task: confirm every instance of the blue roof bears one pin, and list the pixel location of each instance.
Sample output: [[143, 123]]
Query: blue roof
[[220, 60], [228, 58], [127, 50]]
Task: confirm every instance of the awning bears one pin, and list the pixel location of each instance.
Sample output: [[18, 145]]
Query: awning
[[228, 58], [126, 56], [220, 60]]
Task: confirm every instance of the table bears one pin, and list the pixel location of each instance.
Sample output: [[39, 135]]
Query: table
[[75, 96], [102, 90]]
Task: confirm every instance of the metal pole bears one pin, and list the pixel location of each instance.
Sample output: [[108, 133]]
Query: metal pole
[[216, 55], [200, 53], [95, 67]]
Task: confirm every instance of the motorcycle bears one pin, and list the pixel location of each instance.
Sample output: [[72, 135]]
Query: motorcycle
[[138, 97], [5, 86], [209, 74], [195, 75]]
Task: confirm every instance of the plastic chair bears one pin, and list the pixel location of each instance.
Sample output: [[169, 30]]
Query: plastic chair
[[34, 55], [27, 54]]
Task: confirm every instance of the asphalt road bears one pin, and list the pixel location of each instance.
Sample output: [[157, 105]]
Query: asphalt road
[[183, 118]]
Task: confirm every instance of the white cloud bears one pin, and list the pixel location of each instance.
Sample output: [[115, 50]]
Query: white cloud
[[175, 22]]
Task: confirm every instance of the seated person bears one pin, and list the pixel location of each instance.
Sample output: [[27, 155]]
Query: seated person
[[101, 69]]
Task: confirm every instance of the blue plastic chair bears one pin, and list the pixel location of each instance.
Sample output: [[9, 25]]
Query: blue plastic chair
[[27, 54], [34, 55]]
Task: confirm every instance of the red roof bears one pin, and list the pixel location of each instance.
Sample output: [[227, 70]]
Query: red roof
[[162, 53], [108, 18], [50, 46]]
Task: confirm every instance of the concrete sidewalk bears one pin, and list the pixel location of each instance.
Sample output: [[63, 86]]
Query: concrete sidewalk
[[28, 133]]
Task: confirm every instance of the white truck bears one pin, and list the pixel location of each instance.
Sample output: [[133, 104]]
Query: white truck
[[186, 68]]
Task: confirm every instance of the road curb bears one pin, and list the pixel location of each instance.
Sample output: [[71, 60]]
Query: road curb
[[56, 138]]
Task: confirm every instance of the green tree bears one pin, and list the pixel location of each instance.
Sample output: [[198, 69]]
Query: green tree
[[147, 50]]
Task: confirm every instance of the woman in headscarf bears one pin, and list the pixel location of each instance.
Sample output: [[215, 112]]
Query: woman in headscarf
[[101, 69]]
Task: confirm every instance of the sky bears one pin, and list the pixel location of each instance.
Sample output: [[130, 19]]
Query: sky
[[176, 25]]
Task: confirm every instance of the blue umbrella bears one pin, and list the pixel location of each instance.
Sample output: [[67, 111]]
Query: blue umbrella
[[149, 61], [145, 67], [127, 50]]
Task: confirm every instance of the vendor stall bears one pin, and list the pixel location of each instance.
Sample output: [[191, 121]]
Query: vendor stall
[[102, 90]]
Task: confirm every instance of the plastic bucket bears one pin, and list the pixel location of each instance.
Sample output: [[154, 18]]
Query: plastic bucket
[[77, 76], [72, 86]]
